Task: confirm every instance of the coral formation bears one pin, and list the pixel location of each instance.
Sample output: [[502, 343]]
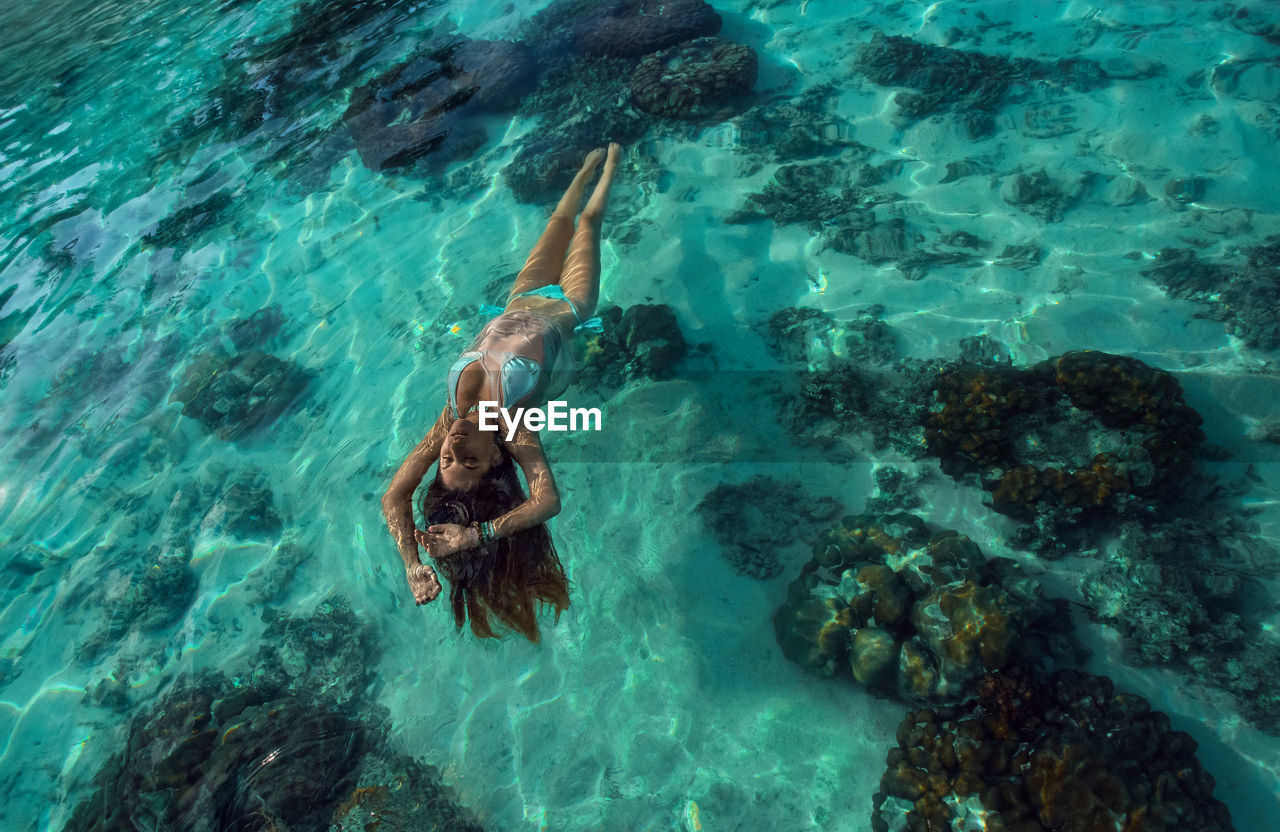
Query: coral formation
[[912, 613], [823, 406], [1067, 753], [642, 342], [218, 754], [892, 241], [850, 388], [1244, 296], [187, 227], [820, 193], [971, 84], [400, 793], [292, 742], [1078, 433], [586, 89], [248, 506], [693, 79], [798, 129], [232, 396], [756, 520], [329, 652], [1185, 593], [148, 597], [577, 103], [808, 336], [631, 28], [895, 491]]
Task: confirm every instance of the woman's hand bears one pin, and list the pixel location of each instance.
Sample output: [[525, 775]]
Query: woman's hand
[[444, 539], [424, 583]]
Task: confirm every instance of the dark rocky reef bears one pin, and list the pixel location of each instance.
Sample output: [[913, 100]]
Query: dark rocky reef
[[694, 79], [292, 742], [234, 395], [596, 75], [189, 226], [1246, 297], [821, 193], [1039, 195], [631, 28], [279, 83], [790, 333], [799, 129], [912, 613], [153, 595], [248, 506], [329, 652], [1065, 753], [971, 84], [1191, 593], [424, 104], [399, 792], [214, 756], [837, 199], [1077, 435], [853, 393], [892, 241], [580, 102], [896, 490], [644, 341], [755, 520]]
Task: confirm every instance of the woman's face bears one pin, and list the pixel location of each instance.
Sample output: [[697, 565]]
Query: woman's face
[[467, 455]]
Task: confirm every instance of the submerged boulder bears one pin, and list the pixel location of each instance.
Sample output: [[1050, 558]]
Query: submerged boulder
[[631, 28], [693, 79]]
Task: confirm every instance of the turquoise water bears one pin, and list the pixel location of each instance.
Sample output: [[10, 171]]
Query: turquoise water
[[225, 320]]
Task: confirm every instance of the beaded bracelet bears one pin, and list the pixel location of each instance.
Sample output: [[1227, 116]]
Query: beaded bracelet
[[485, 533]]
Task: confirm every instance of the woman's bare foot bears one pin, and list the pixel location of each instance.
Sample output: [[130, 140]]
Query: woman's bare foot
[[568, 206], [600, 196], [593, 159]]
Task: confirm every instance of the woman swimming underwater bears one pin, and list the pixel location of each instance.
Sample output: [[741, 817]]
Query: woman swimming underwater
[[486, 537]]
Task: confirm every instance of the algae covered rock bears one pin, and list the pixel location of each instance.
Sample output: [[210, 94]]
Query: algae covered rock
[[913, 613], [1066, 752], [1243, 295], [643, 341], [693, 79], [1077, 435], [233, 396]]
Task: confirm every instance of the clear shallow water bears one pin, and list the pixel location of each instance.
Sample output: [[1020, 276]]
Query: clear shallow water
[[150, 205]]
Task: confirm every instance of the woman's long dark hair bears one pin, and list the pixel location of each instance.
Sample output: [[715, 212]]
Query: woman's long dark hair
[[510, 577]]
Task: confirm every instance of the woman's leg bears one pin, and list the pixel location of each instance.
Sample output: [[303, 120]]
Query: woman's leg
[[547, 258], [580, 280]]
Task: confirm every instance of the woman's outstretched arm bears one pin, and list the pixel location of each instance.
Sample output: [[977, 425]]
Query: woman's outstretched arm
[[397, 506]]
